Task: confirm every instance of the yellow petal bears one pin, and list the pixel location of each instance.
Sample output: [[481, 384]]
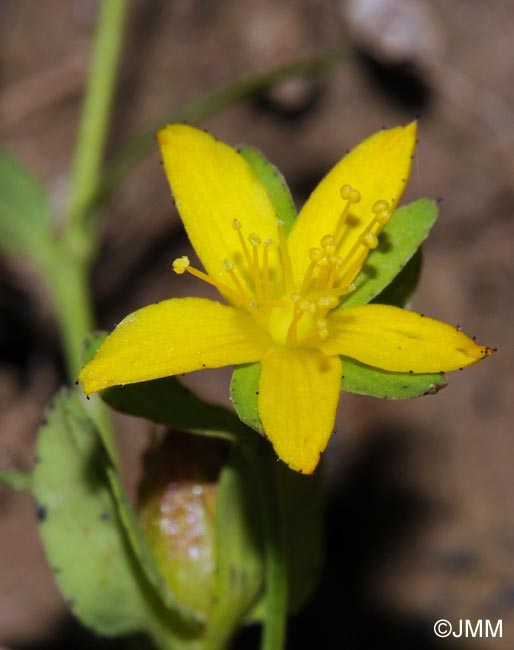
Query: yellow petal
[[399, 340], [378, 168], [171, 337], [213, 185], [298, 396]]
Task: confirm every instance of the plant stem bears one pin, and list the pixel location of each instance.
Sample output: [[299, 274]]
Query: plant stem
[[137, 147], [68, 279], [67, 272], [275, 621], [97, 108]]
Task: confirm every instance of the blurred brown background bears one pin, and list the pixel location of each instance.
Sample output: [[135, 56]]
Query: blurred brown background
[[420, 517]]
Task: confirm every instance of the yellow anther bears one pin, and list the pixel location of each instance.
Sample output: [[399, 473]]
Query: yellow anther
[[369, 240], [228, 265], [336, 261], [322, 327], [327, 240], [236, 224], [268, 242], [346, 192], [295, 297], [303, 305], [323, 262], [383, 217], [355, 196], [254, 239], [313, 309], [328, 302], [380, 206], [181, 264], [315, 254]]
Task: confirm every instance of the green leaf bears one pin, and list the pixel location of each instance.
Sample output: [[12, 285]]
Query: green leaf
[[398, 242], [25, 214], [16, 480], [239, 544], [403, 286], [365, 380], [83, 538], [244, 389], [274, 184], [167, 401]]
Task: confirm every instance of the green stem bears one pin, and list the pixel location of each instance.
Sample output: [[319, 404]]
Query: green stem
[[140, 145], [275, 621], [97, 108], [68, 279]]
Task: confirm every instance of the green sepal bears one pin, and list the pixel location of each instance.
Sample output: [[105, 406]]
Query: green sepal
[[83, 538], [244, 390], [274, 184], [302, 512], [25, 213], [399, 292], [167, 401], [365, 380], [239, 544], [400, 239]]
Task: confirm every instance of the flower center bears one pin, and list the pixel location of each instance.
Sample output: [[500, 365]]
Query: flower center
[[294, 313]]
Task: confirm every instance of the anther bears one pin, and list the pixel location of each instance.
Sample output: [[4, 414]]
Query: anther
[[268, 242], [383, 217], [346, 192], [369, 240], [315, 254], [327, 240], [349, 194], [313, 308], [236, 224], [328, 302], [304, 305], [355, 196], [181, 264], [228, 265], [254, 239], [380, 206]]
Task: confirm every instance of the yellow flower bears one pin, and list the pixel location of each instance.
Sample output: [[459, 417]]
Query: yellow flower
[[284, 293]]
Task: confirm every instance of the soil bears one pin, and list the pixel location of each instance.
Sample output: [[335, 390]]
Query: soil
[[420, 492]]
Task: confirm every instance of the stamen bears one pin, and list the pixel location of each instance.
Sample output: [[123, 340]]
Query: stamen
[[350, 195], [369, 240], [182, 264], [236, 224], [291, 336], [322, 327], [286, 260], [307, 278], [255, 241], [266, 284], [228, 265], [380, 206]]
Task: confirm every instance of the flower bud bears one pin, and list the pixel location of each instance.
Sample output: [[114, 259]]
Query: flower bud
[[177, 508]]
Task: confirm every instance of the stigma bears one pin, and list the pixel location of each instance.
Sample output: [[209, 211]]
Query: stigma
[[294, 311]]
